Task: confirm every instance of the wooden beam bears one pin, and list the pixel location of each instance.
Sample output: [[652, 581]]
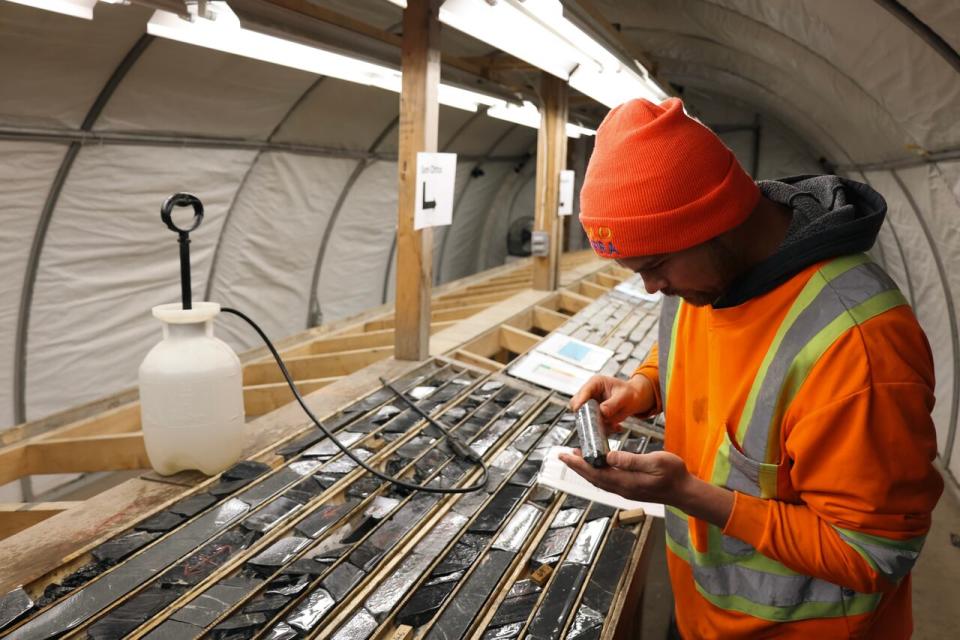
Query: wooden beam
[[113, 452], [17, 516], [592, 289], [498, 288], [419, 109], [572, 301], [259, 399], [349, 342], [551, 159], [485, 345], [325, 365], [548, 319], [517, 340], [477, 360], [607, 279], [486, 298], [472, 298]]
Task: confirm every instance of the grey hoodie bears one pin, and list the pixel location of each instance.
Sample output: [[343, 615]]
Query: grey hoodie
[[832, 217]]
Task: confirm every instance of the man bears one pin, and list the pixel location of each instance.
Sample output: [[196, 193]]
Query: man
[[795, 380]]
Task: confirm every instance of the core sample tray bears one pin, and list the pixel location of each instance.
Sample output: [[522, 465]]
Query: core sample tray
[[317, 547]]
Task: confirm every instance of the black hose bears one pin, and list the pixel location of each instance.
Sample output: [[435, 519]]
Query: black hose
[[458, 447]]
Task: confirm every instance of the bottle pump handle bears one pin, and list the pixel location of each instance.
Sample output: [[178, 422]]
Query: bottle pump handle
[[166, 211]]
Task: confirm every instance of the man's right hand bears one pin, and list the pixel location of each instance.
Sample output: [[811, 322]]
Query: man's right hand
[[619, 399]]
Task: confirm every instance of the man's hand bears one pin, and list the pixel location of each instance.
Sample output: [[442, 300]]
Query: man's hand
[[650, 477], [657, 477], [619, 399]]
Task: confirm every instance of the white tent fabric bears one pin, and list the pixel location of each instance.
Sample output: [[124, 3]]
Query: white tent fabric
[[98, 124]]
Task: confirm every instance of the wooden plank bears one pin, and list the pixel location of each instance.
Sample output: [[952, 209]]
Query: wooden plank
[[264, 398], [548, 319], [458, 313], [34, 552], [497, 288], [111, 452], [517, 340], [551, 159], [17, 516], [87, 454], [486, 345], [608, 279], [572, 301], [487, 320], [325, 365], [477, 360], [420, 62], [592, 290], [469, 298], [350, 342]]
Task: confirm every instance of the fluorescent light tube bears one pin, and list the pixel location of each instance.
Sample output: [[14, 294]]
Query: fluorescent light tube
[[76, 8], [537, 32], [225, 33]]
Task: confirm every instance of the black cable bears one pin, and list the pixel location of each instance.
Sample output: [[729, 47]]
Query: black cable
[[458, 447]]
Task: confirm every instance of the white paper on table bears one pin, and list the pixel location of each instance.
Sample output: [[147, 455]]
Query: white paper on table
[[556, 475], [543, 370], [634, 288], [583, 354], [436, 177]]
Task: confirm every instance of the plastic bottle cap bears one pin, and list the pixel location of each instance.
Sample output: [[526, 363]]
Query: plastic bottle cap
[[174, 313]]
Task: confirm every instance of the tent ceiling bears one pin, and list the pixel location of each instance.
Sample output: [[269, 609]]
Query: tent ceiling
[[298, 171]]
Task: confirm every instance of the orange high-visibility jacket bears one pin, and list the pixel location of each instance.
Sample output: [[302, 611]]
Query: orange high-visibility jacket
[[826, 525]]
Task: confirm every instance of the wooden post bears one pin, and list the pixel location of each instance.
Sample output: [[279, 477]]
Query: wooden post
[[420, 58], [551, 158]]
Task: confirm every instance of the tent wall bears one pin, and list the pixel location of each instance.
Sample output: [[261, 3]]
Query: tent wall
[[99, 123]]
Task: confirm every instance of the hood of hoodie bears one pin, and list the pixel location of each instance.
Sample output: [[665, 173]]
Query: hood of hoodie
[[832, 217]]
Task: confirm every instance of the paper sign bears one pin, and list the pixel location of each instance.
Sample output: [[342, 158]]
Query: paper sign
[[436, 177], [582, 354], [549, 372], [566, 192]]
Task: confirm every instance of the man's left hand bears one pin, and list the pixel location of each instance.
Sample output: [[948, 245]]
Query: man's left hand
[[648, 477], [657, 477]]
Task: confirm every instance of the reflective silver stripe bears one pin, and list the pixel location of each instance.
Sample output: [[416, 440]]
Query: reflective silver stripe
[[678, 531], [744, 476], [764, 588], [736, 546], [893, 563], [668, 313], [844, 292], [760, 587], [676, 528]]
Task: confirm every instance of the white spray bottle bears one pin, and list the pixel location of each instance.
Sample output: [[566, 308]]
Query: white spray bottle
[[191, 383]]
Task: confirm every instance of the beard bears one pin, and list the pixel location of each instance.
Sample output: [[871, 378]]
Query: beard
[[726, 266]]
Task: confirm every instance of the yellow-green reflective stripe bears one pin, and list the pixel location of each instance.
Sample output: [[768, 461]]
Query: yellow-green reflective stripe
[[892, 558], [721, 464], [843, 264], [859, 603], [844, 291], [809, 292], [781, 596], [671, 353], [810, 354], [677, 530]]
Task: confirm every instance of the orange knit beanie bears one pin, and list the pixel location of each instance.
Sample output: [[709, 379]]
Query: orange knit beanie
[[659, 182]]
